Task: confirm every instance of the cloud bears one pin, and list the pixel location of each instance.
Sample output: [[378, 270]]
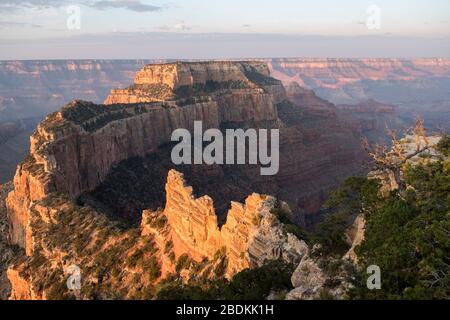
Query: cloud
[[14, 5], [180, 25], [133, 5], [163, 28], [12, 24]]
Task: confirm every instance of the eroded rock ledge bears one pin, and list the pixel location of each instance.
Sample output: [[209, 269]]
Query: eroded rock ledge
[[74, 149], [251, 236], [62, 234]]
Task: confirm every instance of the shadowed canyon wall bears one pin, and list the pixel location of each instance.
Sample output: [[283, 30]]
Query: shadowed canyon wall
[[29, 90], [74, 149]]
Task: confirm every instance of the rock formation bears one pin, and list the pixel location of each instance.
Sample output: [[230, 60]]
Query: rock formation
[[32, 89], [6, 252], [414, 86], [29, 90], [75, 150], [243, 91], [354, 80], [251, 236]]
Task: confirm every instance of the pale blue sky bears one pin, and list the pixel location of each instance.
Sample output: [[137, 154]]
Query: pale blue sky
[[28, 24]]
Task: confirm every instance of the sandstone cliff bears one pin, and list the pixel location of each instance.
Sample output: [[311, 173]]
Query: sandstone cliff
[[244, 91], [32, 89], [72, 155], [183, 239], [251, 235], [7, 254], [318, 148], [76, 150]]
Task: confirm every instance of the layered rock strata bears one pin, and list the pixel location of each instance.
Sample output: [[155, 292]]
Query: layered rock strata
[[251, 236], [63, 235], [75, 149]]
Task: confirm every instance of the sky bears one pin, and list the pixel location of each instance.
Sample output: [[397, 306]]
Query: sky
[[200, 29]]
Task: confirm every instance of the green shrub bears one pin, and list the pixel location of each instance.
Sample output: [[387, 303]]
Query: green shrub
[[444, 146], [408, 239], [184, 262]]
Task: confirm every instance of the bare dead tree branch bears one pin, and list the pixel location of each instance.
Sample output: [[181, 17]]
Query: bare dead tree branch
[[393, 159]]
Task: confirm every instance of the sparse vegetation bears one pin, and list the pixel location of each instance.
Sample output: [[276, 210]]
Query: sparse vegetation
[[288, 226], [444, 146], [406, 233], [202, 89], [254, 284], [257, 77]]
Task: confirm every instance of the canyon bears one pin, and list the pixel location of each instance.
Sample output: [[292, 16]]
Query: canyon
[[65, 208], [99, 190], [29, 90], [416, 87]]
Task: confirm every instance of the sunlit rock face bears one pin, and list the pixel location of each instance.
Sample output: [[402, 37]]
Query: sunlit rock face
[[75, 150], [251, 236], [29, 90], [244, 91]]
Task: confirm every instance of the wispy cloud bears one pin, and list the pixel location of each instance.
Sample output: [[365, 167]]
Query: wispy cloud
[[15, 5], [180, 25], [13, 24], [132, 5]]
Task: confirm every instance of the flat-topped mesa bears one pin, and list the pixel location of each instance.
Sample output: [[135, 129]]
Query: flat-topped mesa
[[251, 236], [179, 74], [244, 90]]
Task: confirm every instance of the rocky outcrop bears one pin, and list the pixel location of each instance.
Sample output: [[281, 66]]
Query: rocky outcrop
[[409, 146], [6, 252], [244, 91], [130, 262], [251, 236], [72, 156], [319, 276], [308, 280], [21, 287], [355, 236], [74, 151]]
